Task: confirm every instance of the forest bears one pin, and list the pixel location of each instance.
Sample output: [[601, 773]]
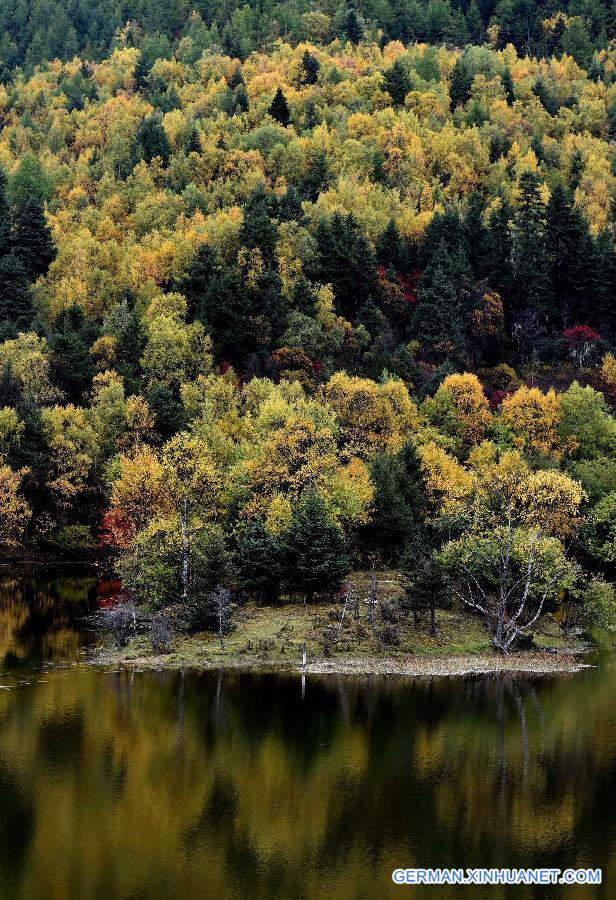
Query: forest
[[287, 290]]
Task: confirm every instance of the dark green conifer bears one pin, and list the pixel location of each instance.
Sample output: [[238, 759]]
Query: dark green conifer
[[279, 109]]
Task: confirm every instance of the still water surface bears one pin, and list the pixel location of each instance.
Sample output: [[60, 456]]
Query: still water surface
[[161, 785]]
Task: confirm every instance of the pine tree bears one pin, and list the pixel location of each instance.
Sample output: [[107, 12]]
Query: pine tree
[[498, 249], [198, 279], [391, 250], [398, 505], [316, 178], [353, 28], [279, 109], [425, 582], [310, 68], [316, 552], [259, 561], [476, 235], [5, 218], [236, 79], [16, 310], [436, 320], [303, 297], [507, 81], [290, 206], [530, 264], [258, 229], [152, 140], [397, 83], [346, 262], [32, 241], [241, 101], [460, 83], [570, 250]]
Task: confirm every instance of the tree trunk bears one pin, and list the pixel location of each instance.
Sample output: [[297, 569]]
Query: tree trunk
[[185, 552]]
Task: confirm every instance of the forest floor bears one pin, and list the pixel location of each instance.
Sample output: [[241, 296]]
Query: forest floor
[[271, 638]]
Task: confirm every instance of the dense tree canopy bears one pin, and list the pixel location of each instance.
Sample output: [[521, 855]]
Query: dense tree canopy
[[286, 286]]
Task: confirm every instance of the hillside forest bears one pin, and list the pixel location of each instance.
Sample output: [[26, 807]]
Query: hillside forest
[[291, 289]]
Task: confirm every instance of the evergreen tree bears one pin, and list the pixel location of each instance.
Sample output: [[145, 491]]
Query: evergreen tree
[[476, 235], [507, 81], [310, 68], [316, 178], [290, 206], [152, 140], [530, 264], [32, 241], [391, 250], [16, 310], [70, 341], [241, 101], [346, 262], [570, 252], [460, 83], [546, 97], [259, 561], [353, 28], [5, 218], [398, 505], [425, 582], [303, 297], [198, 279], [316, 552], [606, 286], [236, 79], [279, 109], [258, 229], [498, 249], [436, 320], [397, 83]]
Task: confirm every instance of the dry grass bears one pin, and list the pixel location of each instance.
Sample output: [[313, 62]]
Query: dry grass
[[272, 637]]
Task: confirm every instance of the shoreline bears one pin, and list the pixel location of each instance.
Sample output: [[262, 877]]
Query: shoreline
[[534, 662]]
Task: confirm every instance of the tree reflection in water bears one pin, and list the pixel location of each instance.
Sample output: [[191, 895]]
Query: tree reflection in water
[[244, 785]]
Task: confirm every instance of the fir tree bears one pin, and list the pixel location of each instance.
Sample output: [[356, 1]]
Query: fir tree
[[290, 206], [460, 83], [570, 253], [279, 109], [316, 552], [198, 279], [397, 83], [425, 582], [507, 81], [436, 320], [5, 218], [391, 250], [398, 505], [258, 229], [353, 28], [259, 561], [498, 249], [32, 241], [152, 140], [16, 310], [316, 178], [310, 68], [346, 262], [476, 235], [530, 265], [236, 79]]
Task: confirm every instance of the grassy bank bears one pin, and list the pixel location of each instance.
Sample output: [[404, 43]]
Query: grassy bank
[[271, 637]]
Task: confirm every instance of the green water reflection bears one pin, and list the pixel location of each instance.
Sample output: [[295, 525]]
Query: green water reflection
[[159, 785]]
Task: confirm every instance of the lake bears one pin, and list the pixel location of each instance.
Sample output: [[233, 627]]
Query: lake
[[158, 785]]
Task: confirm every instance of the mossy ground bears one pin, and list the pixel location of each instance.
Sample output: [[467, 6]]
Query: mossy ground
[[272, 637]]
